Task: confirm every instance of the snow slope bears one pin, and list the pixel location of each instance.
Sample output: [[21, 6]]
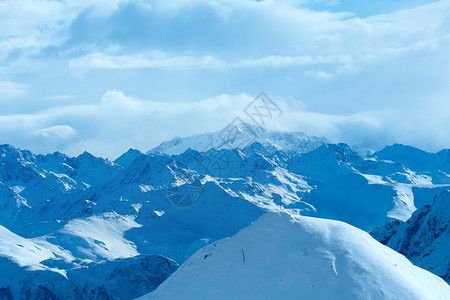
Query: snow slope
[[26, 253], [280, 257], [424, 238], [94, 238]]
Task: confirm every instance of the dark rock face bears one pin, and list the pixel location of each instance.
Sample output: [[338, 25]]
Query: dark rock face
[[119, 279], [5, 293], [424, 238]]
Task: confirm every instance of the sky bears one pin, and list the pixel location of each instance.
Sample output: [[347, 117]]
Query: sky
[[104, 76]]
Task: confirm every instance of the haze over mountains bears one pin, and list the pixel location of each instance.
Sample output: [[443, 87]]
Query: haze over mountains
[[76, 226]]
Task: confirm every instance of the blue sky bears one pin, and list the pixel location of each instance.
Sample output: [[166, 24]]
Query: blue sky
[[107, 75]]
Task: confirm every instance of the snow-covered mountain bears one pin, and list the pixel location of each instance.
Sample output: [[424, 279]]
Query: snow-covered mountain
[[241, 135], [285, 257], [61, 214], [424, 238]]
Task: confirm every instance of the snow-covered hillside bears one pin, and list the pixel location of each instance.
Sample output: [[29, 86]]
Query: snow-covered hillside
[[424, 238], [284, 257]]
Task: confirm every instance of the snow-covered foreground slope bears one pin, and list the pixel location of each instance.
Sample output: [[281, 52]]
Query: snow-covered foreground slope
[[424, 238], [280, 257]]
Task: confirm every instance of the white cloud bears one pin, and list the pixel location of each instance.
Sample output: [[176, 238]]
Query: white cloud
[[116, 100], [318, 74], [57, 134], [31, 25], [58, 97], [118, 122], [161, 61], [274, 35], [11, 89]]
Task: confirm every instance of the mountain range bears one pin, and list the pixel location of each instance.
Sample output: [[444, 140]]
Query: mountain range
[[82, 227]]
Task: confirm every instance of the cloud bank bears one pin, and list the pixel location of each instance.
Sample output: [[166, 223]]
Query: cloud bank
[[118, 122], [342, 69]]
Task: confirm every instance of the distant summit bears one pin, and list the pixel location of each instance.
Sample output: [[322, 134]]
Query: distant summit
[[240, 136]]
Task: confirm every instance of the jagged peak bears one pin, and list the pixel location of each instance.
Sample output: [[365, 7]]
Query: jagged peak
[[7, 147], [11, 149], [55, 154], [90, 158], [86, 155], [336, 148], [128, 157], [130, 152]]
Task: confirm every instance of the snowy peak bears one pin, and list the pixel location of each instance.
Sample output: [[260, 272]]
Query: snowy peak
[[9, 150], [414, 158], [339, 152], [402, 153], [242, 135], [280, 257], [90, 160], [128, 157]]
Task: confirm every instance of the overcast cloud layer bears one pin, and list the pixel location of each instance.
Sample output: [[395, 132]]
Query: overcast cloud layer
[[104, 76]]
